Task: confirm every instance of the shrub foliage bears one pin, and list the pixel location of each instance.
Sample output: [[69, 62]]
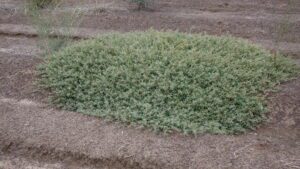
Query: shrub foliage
[[168, 81]]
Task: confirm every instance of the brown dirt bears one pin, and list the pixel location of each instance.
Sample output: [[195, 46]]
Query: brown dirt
[[254, 19], [33, 130], [35, 135], [257, 20]]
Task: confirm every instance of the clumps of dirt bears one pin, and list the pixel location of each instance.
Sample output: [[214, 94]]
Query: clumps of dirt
[[18, 77]]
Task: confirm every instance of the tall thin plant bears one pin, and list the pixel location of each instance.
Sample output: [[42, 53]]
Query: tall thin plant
[[282, 28], [54, 26]]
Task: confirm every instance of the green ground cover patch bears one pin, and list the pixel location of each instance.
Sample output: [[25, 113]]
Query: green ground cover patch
[[167, 81]]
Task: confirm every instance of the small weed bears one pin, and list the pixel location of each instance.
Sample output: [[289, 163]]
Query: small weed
[[142, 4], [282, 28], [99, 11], [41, 4], [49, 21]]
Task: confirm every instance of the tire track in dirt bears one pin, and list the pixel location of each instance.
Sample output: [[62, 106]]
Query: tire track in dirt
[[259, 25], [278, 6], [33, 129], [26, 31]]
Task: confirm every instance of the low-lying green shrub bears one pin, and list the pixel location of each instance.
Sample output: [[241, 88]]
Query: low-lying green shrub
[[168, 81]]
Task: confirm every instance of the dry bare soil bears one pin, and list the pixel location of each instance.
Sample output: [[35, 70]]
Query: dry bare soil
[[36, 135]]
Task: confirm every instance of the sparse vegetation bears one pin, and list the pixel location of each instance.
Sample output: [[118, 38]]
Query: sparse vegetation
[[142, 4], [40, 4], [166, 80], [282, 28], [49, 22]]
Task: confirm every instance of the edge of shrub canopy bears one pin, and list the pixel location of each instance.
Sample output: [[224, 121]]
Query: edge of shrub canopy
[[168, 81]]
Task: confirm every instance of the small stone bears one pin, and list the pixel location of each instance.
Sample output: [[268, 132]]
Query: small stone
[[1, 165]]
